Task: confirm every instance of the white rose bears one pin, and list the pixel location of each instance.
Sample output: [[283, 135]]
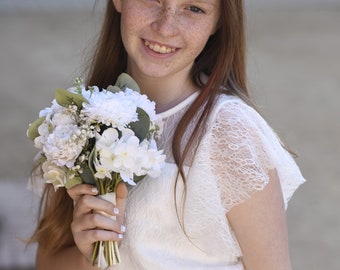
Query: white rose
[[54, 174]]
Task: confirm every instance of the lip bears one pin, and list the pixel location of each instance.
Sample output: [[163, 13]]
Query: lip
[[162, 50]]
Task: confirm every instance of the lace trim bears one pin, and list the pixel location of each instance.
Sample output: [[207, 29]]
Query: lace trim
[[243, 149]]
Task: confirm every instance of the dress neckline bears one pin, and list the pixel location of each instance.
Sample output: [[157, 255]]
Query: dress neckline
[[179, 106]]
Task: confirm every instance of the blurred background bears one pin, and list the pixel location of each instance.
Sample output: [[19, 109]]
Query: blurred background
[[294, 75]]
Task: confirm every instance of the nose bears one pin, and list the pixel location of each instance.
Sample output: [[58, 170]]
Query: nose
[[167, 22]]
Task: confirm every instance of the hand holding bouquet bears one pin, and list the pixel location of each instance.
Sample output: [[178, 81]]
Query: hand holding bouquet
[[98, 137]]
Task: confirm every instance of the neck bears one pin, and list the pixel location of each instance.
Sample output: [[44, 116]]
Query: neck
[[166, 92]]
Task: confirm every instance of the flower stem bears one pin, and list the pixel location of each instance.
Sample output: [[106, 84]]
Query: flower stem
[[95, 253]]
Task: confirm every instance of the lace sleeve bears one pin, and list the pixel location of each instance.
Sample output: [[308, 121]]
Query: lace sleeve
[[243, 148]]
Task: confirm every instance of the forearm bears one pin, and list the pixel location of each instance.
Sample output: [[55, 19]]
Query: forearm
[[68, 258]]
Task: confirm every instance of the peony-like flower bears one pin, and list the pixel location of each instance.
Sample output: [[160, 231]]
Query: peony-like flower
[[142, 102], [54, 174], [110, 109], [64, 145]]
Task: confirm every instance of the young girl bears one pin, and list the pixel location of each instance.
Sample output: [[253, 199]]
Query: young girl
[[220, 201]]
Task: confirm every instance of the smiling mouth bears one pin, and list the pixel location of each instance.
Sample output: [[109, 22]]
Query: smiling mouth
[[159, 48]]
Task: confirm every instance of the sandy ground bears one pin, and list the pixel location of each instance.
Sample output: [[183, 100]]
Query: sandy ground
[[294, 74]]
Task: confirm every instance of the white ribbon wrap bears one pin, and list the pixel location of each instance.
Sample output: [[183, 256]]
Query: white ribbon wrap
[[108, 250]]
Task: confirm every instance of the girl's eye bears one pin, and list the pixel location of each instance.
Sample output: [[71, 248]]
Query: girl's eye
[[195, 9]]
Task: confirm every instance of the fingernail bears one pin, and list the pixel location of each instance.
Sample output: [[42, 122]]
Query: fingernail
[[116, 211], [120, 236], [123, 228], [94, 190]]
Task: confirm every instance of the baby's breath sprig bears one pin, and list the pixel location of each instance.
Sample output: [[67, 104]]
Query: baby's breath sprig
[[78, 83]]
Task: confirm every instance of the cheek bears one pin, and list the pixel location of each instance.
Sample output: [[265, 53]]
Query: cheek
[[132, 22], [199, 38]]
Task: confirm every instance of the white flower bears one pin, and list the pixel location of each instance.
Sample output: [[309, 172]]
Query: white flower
[[107, 139], [49, 111], [102, 171], [153, 159], [54, 174], [64, 117], [43, 130], [142, 102], [64, 145], [111, 109], [126, 156]]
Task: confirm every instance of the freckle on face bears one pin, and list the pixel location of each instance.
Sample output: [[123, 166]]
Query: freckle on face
[[193, 31]]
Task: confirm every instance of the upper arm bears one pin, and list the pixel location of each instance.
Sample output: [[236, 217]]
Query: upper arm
[[260, 227]]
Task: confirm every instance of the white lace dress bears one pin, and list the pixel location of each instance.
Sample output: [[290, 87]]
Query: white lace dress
[[231, 163]]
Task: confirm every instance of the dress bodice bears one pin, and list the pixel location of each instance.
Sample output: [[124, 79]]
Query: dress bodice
[[232, 161]]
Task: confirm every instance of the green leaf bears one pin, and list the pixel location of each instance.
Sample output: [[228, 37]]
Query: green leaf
[[136, 178], [72, 180], [125, 81], [32, 131], [142, 126], [90, 161], [113, 88], [87, 175], [66, 98]]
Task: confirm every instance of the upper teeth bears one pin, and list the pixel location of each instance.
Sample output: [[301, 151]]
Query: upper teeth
[[158, 48]]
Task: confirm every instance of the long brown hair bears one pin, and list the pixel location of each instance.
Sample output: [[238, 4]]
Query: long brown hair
[[223, 60]]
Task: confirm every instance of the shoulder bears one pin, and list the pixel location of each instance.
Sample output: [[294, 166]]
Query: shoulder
[[233, 106], [245, 148], [236, 115]]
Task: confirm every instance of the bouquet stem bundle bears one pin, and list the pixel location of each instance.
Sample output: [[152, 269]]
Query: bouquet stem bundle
[[106, 253]]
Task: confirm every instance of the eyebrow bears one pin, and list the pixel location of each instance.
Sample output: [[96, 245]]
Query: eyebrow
[[207, 2]]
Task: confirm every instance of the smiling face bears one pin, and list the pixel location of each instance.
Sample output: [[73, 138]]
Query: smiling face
[[164, 37]]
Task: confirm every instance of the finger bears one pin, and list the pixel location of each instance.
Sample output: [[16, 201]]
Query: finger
[[92, 236], [95, 221], [121, 196], [79, 190], [87, 204]]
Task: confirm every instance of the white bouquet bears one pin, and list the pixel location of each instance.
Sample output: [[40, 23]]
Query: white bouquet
[[99, 137]]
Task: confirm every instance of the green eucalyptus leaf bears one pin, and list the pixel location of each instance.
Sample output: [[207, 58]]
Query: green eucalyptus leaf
[[142, 126], [72, 180], [32, 131], [87, 175], [66, 98], [113, 88], [125, 81], [90, 161], [136, 178]]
